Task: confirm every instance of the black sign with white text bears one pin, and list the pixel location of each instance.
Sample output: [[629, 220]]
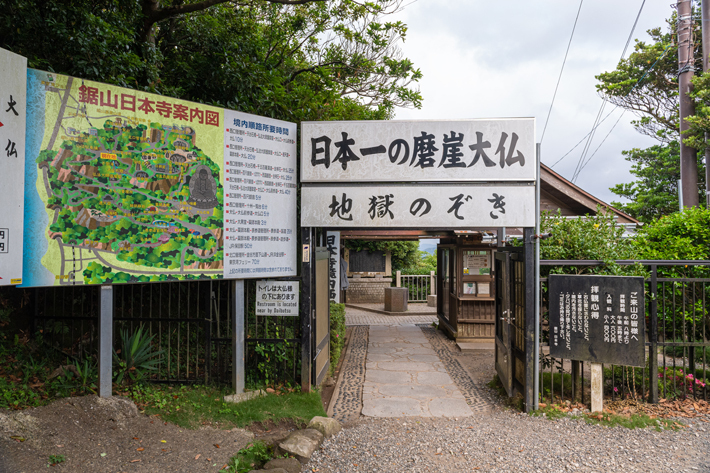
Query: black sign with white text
[[600, 319]]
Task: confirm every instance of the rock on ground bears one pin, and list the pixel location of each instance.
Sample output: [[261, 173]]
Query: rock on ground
[[301, 444], [325, 425]]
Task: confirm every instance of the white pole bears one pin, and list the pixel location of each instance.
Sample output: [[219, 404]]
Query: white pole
[[536, 354]]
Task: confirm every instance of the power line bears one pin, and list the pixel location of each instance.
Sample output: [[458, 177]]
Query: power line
[[580, 163], [617, 121], [549, 112], [600, 144]]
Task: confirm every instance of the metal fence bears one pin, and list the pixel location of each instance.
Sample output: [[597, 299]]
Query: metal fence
[[191, 325], [677, 331], [420, 285]]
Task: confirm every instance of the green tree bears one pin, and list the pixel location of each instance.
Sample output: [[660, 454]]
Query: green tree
[[294, 60], [592, 237], [405, 254], [646, 83]]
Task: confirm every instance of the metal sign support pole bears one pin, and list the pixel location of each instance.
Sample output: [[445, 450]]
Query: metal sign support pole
[[536, 349], [238, 338], [105, 341], [306, 316]]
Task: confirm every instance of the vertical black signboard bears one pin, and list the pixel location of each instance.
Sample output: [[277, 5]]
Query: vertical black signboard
[[600, 319]]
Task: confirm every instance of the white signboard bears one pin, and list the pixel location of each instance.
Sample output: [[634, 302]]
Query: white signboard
[[332, 244], [277, 298], [418, 206], [259, 197], [405, 151], [13, 104]]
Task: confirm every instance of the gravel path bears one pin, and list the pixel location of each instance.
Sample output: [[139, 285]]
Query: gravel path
[[507, 441]]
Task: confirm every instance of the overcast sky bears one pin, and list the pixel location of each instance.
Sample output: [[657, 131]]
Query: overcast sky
[[484, 59]]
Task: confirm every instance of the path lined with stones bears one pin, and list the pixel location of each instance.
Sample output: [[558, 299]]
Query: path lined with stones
[[355, 316], [405, 377]]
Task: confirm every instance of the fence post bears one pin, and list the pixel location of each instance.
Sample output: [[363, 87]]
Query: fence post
[[432, 282], [238, 373], [398, 280], [105, 341], [653, 335]]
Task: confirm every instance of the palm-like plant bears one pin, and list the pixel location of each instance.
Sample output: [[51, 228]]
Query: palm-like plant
[[136, 356]]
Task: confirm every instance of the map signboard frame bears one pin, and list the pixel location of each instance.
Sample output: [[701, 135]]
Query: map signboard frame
[[125, 186], [13, 77]]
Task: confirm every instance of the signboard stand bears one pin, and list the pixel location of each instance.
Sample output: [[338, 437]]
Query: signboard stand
[[306, 308], [238, 338], [105, 341], [597, 387]]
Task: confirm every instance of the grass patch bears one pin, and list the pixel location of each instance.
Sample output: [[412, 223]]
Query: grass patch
[[632, 421], [193, 406], [552, 384], [251, 457], [550, 412]]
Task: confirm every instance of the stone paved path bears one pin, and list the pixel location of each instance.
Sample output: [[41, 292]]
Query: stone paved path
[[405, 377], [355, 316]]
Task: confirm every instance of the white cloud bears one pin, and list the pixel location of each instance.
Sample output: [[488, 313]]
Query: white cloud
[[502, 59]]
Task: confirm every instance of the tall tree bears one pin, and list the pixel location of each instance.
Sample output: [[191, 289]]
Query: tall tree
[[290, 59], [646, 83]]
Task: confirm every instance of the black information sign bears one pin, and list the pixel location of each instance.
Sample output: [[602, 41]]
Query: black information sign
[[600, 319], [367, 262]]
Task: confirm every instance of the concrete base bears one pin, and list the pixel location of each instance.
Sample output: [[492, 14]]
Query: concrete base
[[396, 299], [476, 345], [431, 301], [244, 396]]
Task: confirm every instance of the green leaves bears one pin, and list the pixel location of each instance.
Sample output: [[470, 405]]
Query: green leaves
[[592, 237], [136, 356]]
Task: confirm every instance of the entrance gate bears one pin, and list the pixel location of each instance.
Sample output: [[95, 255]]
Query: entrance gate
[[515, 319], [430, 176]]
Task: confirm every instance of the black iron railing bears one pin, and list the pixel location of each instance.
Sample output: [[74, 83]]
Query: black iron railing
[[677, 346]]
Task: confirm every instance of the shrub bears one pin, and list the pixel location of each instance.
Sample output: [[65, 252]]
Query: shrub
[[337, 333], [136, 356]]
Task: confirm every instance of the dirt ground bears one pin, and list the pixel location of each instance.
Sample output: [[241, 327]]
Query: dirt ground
[[479, 364], [110, 435]]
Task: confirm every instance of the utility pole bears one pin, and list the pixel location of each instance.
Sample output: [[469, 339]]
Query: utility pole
[[705, 6], [686, 62]]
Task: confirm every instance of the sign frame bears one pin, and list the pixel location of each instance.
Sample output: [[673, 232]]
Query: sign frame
[[620, 307]]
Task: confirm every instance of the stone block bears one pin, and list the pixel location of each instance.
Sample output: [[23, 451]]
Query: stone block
[[289, 465], [431, 301], [245, 396], [396, 299], [325, 425], [301, 444]]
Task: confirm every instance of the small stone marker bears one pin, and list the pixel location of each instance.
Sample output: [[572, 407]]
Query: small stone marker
[[396, 299]]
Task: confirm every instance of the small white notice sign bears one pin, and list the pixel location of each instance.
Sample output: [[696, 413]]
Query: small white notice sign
[[259, 196], [277, 297]]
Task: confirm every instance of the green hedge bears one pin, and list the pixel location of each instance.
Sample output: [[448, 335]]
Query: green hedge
[[337, 333]]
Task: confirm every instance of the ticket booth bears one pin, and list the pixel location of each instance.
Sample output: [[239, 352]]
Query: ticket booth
[[466, 304]]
